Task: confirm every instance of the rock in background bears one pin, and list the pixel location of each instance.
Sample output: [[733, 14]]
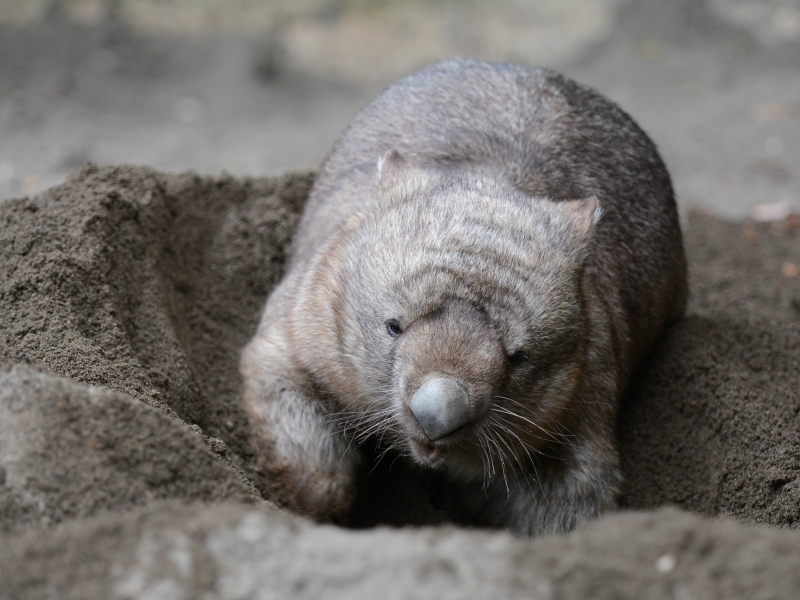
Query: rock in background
[[258, 87]]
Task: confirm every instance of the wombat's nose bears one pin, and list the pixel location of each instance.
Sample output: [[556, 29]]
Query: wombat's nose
[[441, 405]]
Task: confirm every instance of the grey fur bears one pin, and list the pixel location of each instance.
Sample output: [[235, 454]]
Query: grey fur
[[464, 203]]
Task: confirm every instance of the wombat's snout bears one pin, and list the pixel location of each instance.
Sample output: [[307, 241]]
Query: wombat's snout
[[449, 364], [441, 405]]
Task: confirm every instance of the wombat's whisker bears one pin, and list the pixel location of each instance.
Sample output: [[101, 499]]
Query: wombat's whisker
[[396, 458], [382, 434], [349, 443], [481, 453], [489, 468], [377, 426], [379, 458], [561, 434], [361, 417], [512, 457], [504, 427], [550, 437], [500, 455], [532, 462], [558, 400], [537, 451], [564, 432]]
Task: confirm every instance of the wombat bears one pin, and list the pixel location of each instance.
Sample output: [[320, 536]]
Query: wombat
[[485, 256]]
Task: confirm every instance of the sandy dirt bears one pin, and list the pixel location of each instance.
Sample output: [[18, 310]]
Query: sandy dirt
[[148, 284], [65, 448], [711, 424], [232, 551]]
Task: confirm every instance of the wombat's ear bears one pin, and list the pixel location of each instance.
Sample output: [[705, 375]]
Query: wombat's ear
[[584, 214], [392, 167]]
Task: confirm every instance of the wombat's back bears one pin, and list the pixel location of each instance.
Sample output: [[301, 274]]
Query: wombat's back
[[547, 136]]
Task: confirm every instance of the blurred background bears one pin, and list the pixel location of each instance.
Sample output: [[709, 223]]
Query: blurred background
[[257, 87]]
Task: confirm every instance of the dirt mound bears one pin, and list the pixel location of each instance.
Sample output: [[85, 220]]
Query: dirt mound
[[68, 451], [169, 550], [712, 423], [149, 284], [146, 284]]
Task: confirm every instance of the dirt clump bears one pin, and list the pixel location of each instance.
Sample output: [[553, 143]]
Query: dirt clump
[[68, 451]]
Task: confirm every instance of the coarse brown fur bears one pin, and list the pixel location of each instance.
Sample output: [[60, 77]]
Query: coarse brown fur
[[512, 229]]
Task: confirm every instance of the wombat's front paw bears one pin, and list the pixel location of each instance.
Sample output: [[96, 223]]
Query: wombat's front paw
[[324, 497]]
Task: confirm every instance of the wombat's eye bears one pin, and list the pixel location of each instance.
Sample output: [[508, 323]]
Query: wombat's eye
[[517, 358], [393, 327]]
